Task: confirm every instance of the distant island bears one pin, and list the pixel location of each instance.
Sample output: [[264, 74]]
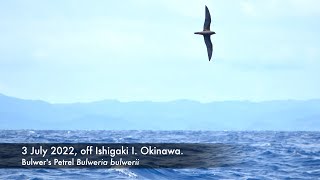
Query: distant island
[[285, 115]]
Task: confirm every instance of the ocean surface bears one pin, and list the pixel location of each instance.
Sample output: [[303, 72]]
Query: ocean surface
[[262, 154]]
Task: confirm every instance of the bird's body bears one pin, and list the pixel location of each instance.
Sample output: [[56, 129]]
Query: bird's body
[[207, 33]]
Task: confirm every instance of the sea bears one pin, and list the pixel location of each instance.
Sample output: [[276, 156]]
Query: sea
[[261, 154]]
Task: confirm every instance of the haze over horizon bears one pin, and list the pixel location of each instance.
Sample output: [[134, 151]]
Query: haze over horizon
[[176, 115], [85, 51], [164, 101]]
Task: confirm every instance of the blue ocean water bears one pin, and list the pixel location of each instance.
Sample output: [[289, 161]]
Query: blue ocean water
[[261, 154]]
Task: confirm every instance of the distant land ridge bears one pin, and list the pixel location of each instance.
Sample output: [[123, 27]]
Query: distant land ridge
[[292, 115]]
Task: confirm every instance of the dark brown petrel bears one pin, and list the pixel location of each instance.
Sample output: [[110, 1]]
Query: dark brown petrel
[[207, 33]]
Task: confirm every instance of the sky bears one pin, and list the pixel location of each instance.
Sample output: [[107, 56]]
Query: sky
[[140, 50]]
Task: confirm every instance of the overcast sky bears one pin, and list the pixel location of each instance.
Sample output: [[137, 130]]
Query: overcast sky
[[88, 50]]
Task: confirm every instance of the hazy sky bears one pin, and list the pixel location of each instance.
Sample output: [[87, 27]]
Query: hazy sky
[[72, 50]]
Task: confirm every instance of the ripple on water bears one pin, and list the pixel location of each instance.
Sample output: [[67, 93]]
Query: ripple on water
[[261, 155]]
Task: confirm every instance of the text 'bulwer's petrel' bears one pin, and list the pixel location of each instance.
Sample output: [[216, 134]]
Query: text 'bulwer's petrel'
[[207, 33]]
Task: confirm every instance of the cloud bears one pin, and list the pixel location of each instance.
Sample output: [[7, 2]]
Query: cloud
[[313, 55], [276, 8], [40, 54], [193, 8], [248, 8], [305, 7]]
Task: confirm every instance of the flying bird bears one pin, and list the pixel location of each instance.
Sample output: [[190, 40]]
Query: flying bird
[[207, 33]]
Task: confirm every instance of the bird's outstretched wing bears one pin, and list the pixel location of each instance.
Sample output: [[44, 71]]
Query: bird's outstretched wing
[[207, 21], [208, 42]]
